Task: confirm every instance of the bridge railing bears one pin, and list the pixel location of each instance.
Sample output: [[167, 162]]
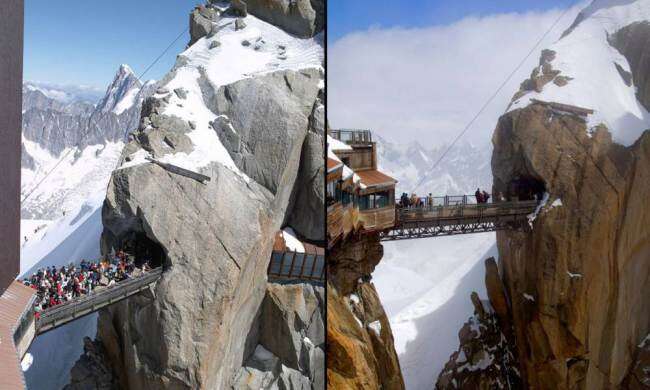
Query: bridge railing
[[458, 210], [297, 265], [352, 136], [449, 200], [87, 304]]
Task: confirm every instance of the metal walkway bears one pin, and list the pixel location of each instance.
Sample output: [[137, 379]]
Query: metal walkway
[[459, 218], [62, 314], [297, 266]]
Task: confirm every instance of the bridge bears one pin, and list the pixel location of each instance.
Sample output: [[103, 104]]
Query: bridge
[[69, 311], [457, 216]]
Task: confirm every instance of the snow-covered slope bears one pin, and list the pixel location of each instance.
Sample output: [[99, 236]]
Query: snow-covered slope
[[425, 287], [67, 239], [66, 187], [585, 55], [70, 149], [229, 56], [79, 176]]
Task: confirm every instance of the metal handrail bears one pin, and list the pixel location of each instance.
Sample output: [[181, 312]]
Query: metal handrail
[[95, 298], [352, 136]]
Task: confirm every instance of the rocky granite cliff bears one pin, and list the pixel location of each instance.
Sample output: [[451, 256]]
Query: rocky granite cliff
[[576, 283], [360, 348], [253, 128]]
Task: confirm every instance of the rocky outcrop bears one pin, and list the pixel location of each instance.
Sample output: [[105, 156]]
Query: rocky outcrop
[[264, 110], [200, 323], [92, 370], [201, 19], [632, 42], [353, 260], [575, 282], [542, 75], [307, 202], [639, 375], [485, 359], [290, 353], [360, 347], [303, 18]]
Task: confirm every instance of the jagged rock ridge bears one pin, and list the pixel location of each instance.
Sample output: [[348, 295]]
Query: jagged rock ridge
[[247, 128]]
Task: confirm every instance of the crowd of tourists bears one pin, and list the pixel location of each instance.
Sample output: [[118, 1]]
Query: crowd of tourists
[[55, 286]]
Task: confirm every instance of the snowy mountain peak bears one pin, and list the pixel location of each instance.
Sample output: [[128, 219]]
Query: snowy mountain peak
[[126, 70], [612, 15], [121, 93], [591, 67]]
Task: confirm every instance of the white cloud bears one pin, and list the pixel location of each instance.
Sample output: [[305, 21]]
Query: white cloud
[[427, 83]]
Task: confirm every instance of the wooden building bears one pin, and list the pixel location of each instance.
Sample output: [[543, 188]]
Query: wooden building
[[362, 197]]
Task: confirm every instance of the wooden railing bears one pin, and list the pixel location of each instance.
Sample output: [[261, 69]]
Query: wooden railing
[[291, 265], [84, 305]]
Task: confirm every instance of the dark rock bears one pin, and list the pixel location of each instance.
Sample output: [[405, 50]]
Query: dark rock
[[240, 24], [303, 18], [181, 93], [201, 20]]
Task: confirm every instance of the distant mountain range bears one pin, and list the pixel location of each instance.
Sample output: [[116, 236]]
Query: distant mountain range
[[83, 133], [460, 172]]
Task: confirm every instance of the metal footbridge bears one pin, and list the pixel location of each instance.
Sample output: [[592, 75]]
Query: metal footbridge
[[69, 311], [455, 215]]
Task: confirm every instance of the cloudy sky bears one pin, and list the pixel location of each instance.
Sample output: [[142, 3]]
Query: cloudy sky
[[425, 80]]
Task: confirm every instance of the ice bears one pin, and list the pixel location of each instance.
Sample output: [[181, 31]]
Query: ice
[[291, 241], [529, 297], [557, 203], [571, 275], [533, 216], [376, 327], [586, 56]]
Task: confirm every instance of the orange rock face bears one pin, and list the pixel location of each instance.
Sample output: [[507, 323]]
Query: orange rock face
[[577, 283], [360, 348]]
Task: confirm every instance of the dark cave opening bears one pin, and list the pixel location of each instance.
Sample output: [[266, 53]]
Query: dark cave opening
[[526, 187], [144, 250]]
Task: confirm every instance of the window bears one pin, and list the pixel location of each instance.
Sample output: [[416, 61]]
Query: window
[[376, 201]]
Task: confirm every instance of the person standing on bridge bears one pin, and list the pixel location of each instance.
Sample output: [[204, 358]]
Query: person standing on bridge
[[486, 197], [430, 201], [479, 196]]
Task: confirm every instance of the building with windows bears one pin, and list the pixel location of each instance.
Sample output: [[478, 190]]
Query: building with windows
[[359, 196]]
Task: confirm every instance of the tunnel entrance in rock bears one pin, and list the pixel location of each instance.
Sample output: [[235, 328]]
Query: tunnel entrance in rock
[[526, 187], [144, 250]]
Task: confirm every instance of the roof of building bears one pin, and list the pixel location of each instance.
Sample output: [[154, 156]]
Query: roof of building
[[333, 165], [375, 178], [13, 303]]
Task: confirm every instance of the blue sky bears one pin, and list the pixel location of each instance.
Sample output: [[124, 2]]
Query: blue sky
[[345, 16], [84, 42]]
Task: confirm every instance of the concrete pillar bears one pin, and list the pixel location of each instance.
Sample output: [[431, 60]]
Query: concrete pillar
[[11, 79]]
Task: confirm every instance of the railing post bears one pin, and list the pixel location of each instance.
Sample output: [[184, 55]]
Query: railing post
[[293, 259]]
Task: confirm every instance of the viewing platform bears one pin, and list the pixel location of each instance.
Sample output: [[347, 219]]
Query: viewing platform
[[69, 311], [304, 265]]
